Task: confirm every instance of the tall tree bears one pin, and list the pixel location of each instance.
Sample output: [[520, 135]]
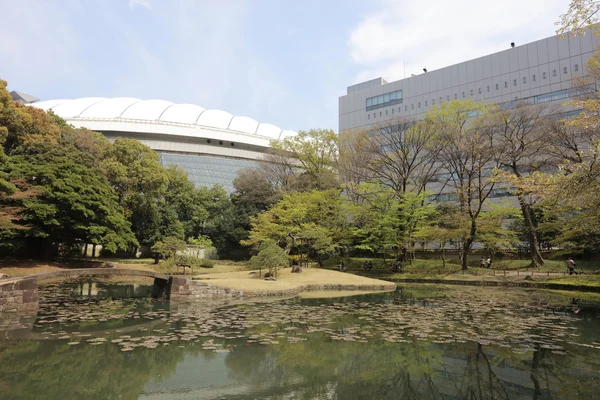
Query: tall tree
[[140, 182], [315, 156], [399, 153], [468, 153], [520, 133]]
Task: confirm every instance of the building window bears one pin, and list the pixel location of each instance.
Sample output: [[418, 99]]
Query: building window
[[374, 115], [463, 93], [220, 142], [425, 103], [419, 104], [553, 72], [392, 111], [207, 140], [514, 82], [479, 90], [432, 102], [576, 67], [386, 112], [448, 98], [533, 78], [487, 88], [496, 86], [399, 109], [384, 100], [505, 84], [232, 144], [440, 99], [524, 80], [380, 114], [564, 70], [471, 92], [368, 116], [543, 75], [412, 106], [455, 96], [405, 108]]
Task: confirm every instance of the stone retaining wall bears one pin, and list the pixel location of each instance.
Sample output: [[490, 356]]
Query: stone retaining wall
[[186, 290], [19, 296]]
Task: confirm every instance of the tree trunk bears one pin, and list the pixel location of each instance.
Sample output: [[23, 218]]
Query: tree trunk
[[467, 244], [534, 248]]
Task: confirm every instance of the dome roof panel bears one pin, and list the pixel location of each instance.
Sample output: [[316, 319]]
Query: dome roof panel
[[269, 130], [48, 104], [182, 113], [243, 124], [147, 110], [72, 108], [286, 134], [109, 108], [215, 118]]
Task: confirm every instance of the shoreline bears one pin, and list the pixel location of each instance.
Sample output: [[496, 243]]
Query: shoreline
[[522, 284]]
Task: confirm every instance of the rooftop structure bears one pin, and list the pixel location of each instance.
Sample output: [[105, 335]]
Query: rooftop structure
[[211, 145]]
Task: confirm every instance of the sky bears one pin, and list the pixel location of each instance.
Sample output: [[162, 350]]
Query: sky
[[281, 62]]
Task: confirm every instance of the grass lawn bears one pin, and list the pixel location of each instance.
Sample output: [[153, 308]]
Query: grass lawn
[[249, 280]]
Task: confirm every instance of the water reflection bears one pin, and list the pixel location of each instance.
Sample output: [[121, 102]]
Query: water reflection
[[417, 343]]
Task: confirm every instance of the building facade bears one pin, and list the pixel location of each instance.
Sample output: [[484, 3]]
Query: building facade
[[212, 146], [541, 71]]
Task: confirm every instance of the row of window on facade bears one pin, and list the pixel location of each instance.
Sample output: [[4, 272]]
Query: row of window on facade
[[537, 99], [446, 197]]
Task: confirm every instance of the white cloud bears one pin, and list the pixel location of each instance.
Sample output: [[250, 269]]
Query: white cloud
[[411, 35], [141, 3]]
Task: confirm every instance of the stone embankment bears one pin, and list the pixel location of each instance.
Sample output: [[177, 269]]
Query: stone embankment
[[18, 295], [183, 289]]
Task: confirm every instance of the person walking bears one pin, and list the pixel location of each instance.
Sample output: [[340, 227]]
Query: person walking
[[341, 266], [489, 262], [571, 266], [482, 262]]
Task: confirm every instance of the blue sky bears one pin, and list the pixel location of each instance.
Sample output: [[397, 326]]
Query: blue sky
[[278, 61]]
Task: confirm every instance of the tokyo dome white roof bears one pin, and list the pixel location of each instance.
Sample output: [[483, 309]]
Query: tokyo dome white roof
[[80, 112]]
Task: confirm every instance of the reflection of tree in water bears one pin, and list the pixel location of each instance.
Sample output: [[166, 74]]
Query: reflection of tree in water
[[54, 370]]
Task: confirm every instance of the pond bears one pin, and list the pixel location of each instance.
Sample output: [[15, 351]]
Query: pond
[[107, 341]]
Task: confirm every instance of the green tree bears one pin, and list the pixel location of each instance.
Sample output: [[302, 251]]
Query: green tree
[[270, 256], [314, 155], [315, 217], [140, 181], [168, 247], [76, 203], [469, 154]]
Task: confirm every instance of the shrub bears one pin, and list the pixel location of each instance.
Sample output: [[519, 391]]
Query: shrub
[[207, 263]]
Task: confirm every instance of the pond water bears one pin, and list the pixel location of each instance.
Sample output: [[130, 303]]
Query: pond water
[[101, 341]]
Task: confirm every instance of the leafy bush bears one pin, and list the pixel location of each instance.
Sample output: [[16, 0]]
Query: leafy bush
[[270, 256], [204, 263]]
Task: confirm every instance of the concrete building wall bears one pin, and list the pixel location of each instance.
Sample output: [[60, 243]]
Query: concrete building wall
[[537, 68]]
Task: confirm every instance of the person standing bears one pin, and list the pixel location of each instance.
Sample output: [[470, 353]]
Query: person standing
[[571, 266], [489, 262]]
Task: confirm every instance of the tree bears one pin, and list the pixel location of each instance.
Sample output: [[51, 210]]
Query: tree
[[386, 222], [468, 153], [521, 136], [314, 154], [202, 244], [580, 15], [270, 256], [140, 181], [76, 203], [168, 247], [312, 216], [399, 153]]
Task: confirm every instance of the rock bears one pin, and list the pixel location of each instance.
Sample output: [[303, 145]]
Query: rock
[[109, 265], [270, 278], [4, 276]]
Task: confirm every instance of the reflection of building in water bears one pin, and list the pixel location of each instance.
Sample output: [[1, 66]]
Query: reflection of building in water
[[99, 289]]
